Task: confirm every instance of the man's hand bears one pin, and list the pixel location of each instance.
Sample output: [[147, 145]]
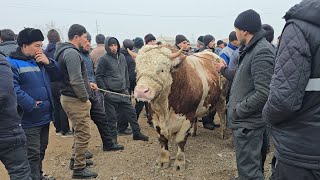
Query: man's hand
[[219, 65], [93, 86], [42, 58]]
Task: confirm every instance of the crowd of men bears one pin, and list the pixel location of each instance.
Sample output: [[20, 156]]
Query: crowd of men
[[271, 89]]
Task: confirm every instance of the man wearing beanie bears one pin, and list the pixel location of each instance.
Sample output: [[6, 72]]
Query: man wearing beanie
[[293, 107], [231, 47], [112, 75], [149, 39], [199, 44], [248, 94], [31, 71], [138, 43], [208, 43], [98, 51], [75, 92], [182, 43]]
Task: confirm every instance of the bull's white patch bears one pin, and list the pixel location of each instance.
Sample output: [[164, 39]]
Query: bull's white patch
[[196, 63]]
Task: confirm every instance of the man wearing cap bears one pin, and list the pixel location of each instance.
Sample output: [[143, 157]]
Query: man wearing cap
[[248, 94], [138, 43], [232, 46], [182, 43], [112, 75], [149, 39], [75, 92], [208, 43], [31, 70]]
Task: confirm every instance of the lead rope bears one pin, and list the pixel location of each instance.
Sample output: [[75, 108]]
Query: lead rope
[[115, 93]]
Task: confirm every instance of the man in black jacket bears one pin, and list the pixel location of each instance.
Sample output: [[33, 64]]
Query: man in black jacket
[[13, 148], [249, 92], [112, 75], [293, 107]]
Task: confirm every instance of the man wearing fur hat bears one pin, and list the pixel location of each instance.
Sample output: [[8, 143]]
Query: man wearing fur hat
[[249, 93], [149, 39], [31, 69]]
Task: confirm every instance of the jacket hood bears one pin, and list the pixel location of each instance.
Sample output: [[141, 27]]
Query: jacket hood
[[51, 47], [106, 42], [124, 51], [19, 55], [60, 47], [307, 10], [8, 43]]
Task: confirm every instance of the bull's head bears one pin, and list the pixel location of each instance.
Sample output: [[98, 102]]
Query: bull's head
[[153, 67]]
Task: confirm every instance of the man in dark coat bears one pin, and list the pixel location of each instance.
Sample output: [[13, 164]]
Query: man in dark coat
[[293, 107], [8, 44], [13, 147], [249, 92], [112, 75]]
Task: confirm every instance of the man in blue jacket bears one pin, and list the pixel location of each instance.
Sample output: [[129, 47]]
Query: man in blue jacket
[[31, 69]]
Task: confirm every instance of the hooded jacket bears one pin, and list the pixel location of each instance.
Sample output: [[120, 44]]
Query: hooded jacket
[[293, 107], [50, 49], [112, 71], [131, 68], [8, 47], [250, 87], [31, 84], [74, 76]]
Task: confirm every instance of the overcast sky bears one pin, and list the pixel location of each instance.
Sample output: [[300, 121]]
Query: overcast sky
[[129, 19]]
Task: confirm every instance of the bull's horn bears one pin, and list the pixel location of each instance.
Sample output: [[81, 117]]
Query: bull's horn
[[133, 54], [176, 54]]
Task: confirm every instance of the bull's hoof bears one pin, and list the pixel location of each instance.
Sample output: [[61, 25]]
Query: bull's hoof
[[179, 165], [165, 165]]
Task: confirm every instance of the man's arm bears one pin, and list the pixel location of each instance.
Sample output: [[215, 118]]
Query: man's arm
[[261, 70], [100, 73], [73, 63], [290, 78]]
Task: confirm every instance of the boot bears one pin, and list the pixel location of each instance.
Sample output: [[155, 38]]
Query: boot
[[84, 173], [88, 155], [140, 136], [125, 132], [88, 163], [113, 147], [209, 126]]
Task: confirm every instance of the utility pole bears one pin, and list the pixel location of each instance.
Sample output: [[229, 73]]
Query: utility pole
[[97, 27]]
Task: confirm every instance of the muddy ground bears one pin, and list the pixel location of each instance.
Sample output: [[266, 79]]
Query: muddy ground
[[207, 156]]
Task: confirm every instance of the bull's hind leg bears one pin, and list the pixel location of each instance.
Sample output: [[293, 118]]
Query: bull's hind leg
[[195, 127], [181, 139], [221, 110], [164, 153]]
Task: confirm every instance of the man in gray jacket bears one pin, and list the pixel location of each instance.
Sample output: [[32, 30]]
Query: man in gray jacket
[[8, 44], [112, 75], [249, 92], [75, 91], [293, 107]]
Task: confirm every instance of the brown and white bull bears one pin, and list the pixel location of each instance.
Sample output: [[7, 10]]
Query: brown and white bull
[[179, 91]]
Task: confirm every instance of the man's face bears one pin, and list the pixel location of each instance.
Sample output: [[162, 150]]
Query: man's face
[[241, 36], [188, 46], [32, 49], [113, 48], [199, 45], [82, 40], [87, 46], [183, 45], [212, 44], [222, 45], [153, 42]]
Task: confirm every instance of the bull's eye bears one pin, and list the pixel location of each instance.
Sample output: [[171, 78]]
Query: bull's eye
[[162, 70]]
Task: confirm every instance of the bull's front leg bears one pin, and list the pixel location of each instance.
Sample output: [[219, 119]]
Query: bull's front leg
[[221, 110], [164, 153], [181, 139]]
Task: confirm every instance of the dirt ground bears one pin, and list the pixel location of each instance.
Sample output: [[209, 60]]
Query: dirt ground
[[207, 156]]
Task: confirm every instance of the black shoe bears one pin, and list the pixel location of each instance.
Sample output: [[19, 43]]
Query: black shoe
[[216, 125], [84, 173], [150, 123], [209, 126], [88, 155], [88, 163], [113, 147], [140, 136], [125, 132]]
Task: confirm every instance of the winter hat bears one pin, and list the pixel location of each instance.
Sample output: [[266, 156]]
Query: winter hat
[[233, 36], [269, 32], [112, 41], [200, 40], [148, 38], [138, 42], [219, 42], [248, 20], [28, 36], [207, 39], [127, 43], [89, 36], [180, 38]]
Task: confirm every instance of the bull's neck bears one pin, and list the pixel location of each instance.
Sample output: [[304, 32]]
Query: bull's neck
[[160, 105]]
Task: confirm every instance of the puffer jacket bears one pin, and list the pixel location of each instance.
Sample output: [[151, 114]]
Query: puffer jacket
[[293, 107]]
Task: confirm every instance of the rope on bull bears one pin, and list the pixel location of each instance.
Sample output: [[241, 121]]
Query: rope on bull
[[115, 93]]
